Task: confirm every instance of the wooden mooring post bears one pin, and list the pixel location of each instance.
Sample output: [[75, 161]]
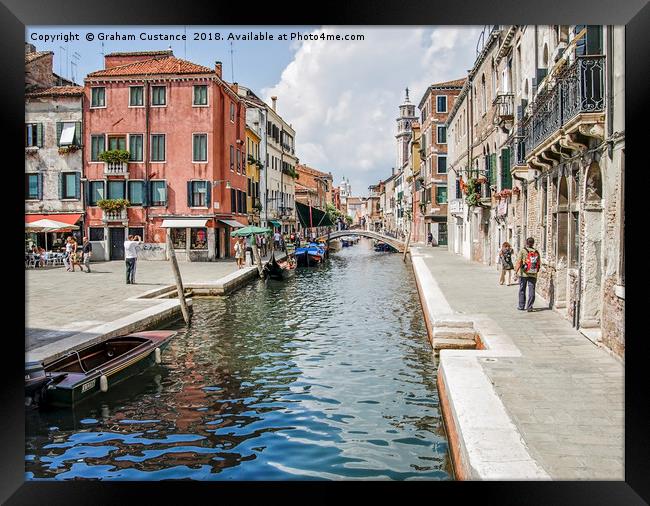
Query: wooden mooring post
[[179, 281], [257, 259], [406, 248]]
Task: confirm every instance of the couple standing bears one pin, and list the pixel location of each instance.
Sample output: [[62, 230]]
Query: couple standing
[[527, 266]]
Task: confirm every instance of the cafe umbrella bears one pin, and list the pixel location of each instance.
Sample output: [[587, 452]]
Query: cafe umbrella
[[47, 225], [248, 231]]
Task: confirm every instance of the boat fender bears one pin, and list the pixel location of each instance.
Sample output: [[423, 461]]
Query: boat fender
[[103, 383], [158, 355]]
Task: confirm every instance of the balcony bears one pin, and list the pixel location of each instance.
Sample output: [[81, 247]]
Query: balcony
[[116, 168], [113, 216], [456, 206], [504, 104], [578, 91]]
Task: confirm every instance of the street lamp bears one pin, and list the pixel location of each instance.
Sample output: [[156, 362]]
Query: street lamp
[[227, 181]]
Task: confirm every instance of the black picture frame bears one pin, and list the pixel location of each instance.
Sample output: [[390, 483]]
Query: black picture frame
[[635, 14]]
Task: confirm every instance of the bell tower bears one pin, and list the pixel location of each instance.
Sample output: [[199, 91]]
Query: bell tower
[[406, 118]]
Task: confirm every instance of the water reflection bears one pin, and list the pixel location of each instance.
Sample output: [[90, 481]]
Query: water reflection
[[326, 376]]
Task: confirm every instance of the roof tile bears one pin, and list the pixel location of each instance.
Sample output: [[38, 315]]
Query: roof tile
[[154, 66]]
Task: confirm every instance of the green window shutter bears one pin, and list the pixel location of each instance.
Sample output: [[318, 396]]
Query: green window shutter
[[77, 185], [39, 183], [493, 172], [77, 133], [506, 177], [208, 194], [59, 129], [189, 194], [39, 135]]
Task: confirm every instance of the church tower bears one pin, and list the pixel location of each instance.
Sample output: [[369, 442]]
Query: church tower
[[406, 118]]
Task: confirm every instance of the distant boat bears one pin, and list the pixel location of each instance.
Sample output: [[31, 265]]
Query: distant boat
[[313, 254], [382, 246], [83, 373], [280, 269]]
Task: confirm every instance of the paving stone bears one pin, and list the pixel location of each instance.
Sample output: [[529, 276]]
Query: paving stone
[[564, 394]]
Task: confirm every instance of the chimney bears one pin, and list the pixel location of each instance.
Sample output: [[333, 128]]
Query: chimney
[[29, 48], [217, 68], [235, 87], [274, 99]]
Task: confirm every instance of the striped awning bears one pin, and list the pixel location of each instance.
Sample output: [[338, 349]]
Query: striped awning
[[232, 223]]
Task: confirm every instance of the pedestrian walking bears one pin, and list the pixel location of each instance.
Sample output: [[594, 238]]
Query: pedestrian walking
[[276, 240], [504, 261], [527, 266], [239, 253], [131, 257], [87, 250], [429, 238], [69, 258]]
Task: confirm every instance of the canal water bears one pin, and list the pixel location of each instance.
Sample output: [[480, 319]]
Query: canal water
[[326, 376]]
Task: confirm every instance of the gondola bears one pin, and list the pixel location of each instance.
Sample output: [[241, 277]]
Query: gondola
[[280, 269], [83, 373]]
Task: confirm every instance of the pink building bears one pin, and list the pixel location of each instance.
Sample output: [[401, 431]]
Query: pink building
[[183, 127]]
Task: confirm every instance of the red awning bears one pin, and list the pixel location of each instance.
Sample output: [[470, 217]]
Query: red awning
[[70, 219]]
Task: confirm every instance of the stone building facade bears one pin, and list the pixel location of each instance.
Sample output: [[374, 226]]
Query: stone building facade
[[558, 113], [53, 147]]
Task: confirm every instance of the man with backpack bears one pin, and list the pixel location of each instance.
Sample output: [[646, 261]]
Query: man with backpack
[[528, 264]]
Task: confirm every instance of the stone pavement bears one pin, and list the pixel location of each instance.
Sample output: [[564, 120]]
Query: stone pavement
[[60, 304], [564, 394]]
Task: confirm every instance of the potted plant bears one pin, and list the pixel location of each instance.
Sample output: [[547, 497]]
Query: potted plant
[[112, 205], [64, 150], [114, 156]]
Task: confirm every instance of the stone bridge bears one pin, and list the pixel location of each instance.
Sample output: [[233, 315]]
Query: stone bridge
[[395, 243]]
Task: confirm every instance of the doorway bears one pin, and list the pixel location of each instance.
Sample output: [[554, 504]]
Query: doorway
[[116, 241], [442, 234]]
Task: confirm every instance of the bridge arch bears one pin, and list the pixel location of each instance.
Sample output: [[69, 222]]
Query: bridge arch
[[395, 243]]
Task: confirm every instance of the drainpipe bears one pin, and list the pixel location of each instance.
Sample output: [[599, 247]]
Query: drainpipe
[[147, 157], [610, 85]]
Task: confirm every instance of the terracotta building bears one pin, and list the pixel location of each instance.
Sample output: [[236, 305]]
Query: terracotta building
[[434, 107], [183, 127], [313, 187]]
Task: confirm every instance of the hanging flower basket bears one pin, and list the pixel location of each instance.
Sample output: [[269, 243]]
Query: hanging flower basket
[[506, 193]]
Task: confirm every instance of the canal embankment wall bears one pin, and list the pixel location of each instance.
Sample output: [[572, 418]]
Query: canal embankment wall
[[484, 442]]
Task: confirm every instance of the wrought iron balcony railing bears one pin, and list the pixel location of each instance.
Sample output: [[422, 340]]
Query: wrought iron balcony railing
[[116, 168], [505, 105], [579, 89]]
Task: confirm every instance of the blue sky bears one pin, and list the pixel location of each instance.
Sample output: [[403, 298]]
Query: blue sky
[[341, 97], [257, 64]]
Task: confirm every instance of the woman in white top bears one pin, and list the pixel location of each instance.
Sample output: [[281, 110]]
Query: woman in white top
[[239, 253]]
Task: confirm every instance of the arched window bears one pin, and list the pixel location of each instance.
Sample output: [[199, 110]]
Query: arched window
[[484, 94], [593, 184]]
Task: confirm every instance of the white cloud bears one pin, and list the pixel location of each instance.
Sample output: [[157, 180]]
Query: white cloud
[[342, 97]]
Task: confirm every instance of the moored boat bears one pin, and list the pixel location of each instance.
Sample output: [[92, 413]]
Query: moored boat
[[83, 373], [282, 269]]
